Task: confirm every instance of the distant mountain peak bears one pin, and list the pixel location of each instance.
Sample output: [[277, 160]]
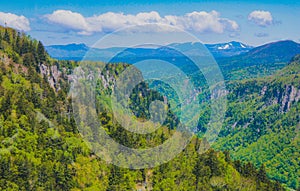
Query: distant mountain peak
[[228, 49], [71, 47], [280, 49], [229, 45]]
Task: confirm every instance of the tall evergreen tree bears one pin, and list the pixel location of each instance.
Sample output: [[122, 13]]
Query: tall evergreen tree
[[41, 52], [6, 36], [262, 175]]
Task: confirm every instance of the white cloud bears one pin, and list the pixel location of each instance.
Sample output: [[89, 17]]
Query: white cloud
[[196, 21], [68, 19], [261, 18], [14, 21], [206, 22]]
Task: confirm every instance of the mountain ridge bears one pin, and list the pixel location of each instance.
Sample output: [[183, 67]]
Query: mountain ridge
[[284, 48], [260, 61], [225, 53], [218, 50]]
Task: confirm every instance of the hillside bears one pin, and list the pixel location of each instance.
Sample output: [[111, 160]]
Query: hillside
[[41, 148], [281, 51], [260, 61], [262, 123]]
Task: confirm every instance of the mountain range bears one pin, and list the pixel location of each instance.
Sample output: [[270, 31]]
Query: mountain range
[[260, 61], [236, 60], [281, 51], [278, 51], [78, 51]]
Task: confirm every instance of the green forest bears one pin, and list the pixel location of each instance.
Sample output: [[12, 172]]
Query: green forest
[[262, 123], [41, 148]]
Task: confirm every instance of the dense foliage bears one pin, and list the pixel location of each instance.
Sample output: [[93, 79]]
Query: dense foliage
[[262, 123], [41, 148]]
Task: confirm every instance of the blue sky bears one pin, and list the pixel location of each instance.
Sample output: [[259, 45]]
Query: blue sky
[[78, 21]]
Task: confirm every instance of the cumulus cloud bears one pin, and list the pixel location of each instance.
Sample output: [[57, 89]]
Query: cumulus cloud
[[14, 21], [261, 18], [68, 19], [195, 21]]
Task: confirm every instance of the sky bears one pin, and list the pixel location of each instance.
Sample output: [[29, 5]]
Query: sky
[[64, 22]]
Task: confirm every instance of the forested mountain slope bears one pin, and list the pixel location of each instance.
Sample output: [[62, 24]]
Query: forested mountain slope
[[262, 123], [41, 148], [260, 61]]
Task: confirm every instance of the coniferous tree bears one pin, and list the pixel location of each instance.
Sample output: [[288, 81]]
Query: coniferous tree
[[6, 36], [262, 175], [41, 52]]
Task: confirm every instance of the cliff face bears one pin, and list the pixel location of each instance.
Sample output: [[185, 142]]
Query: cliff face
[[284, 97], [290, 95], [281, 89], [52, 74]]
